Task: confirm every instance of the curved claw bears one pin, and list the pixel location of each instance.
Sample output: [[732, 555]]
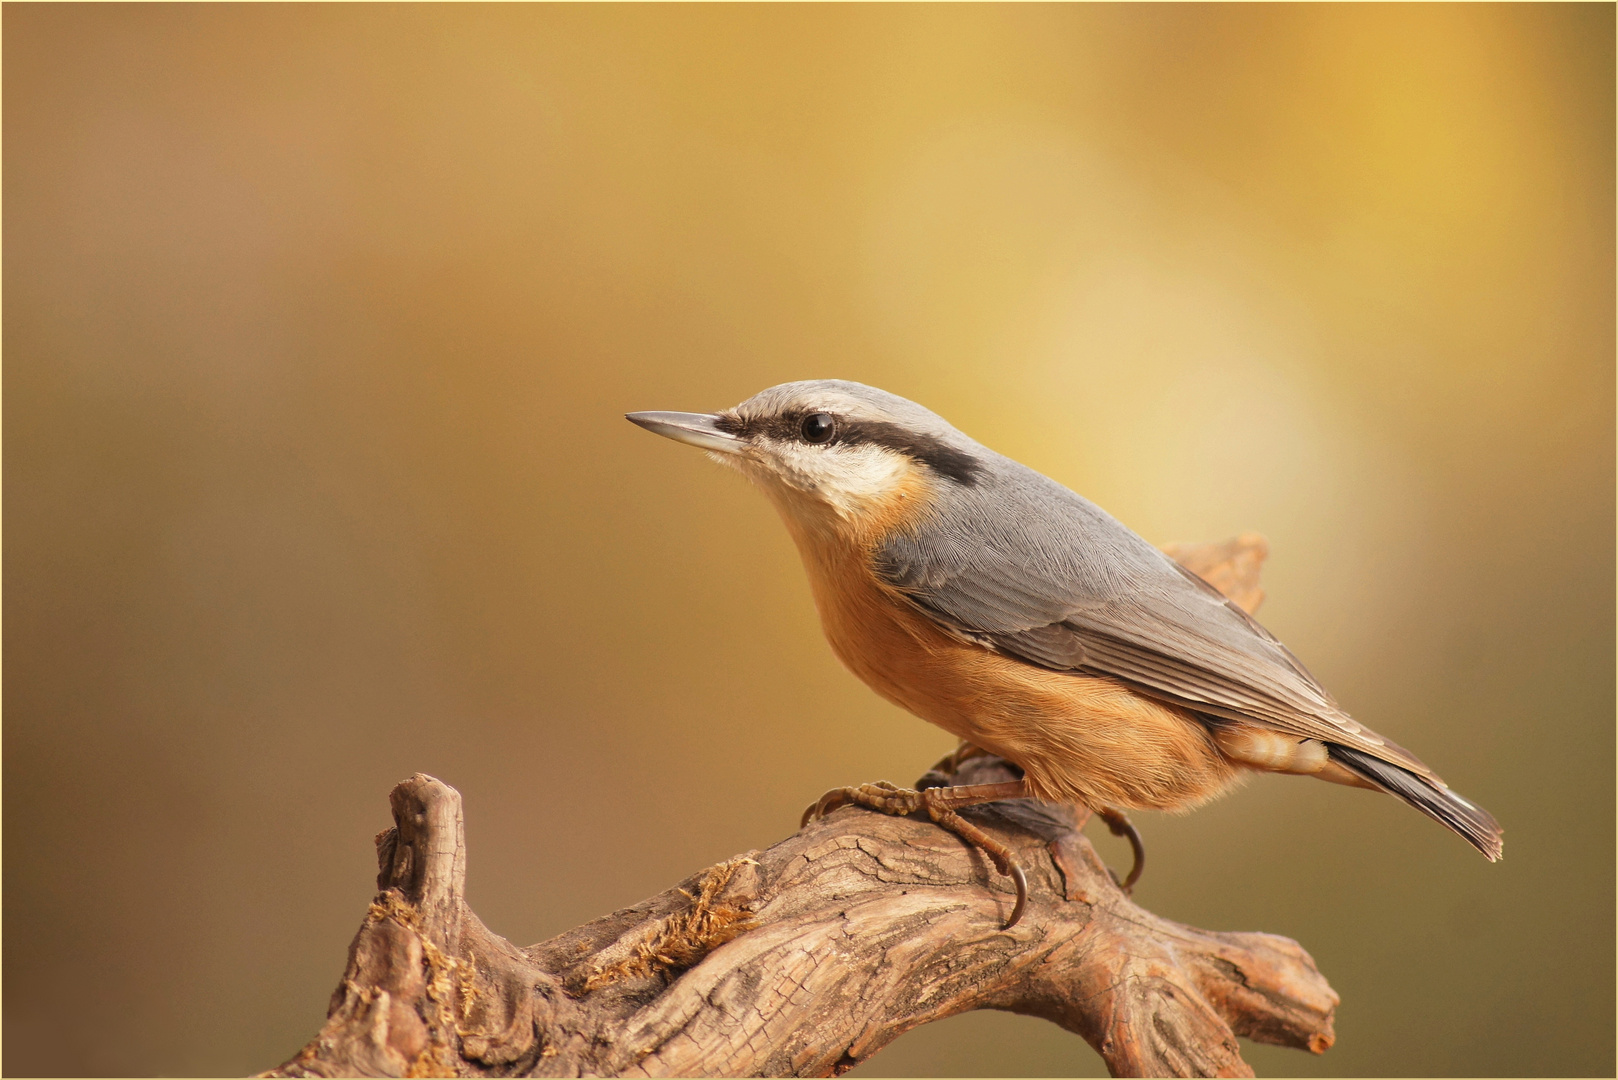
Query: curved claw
[[1007, 864], [1021, 880], [832, 800], [1118, 824]]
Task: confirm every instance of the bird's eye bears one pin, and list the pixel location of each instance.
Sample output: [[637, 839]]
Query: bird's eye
[[818, 427]]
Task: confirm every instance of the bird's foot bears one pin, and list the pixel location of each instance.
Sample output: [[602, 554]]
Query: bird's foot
[[941, 805], [1118, 824], [883, 797]]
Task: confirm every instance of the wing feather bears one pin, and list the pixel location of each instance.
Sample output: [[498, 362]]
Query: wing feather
[[1031, 569]]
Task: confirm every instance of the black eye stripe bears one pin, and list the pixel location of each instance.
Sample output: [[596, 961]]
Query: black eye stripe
[[942, 458], [938, 455]]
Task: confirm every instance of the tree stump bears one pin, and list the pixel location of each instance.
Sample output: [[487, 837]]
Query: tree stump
[[807, 958]]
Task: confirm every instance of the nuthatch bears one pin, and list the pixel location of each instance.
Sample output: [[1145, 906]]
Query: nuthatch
[[1025, 620]]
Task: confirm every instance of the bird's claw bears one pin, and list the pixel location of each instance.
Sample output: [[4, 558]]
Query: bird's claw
[[1118, 824]]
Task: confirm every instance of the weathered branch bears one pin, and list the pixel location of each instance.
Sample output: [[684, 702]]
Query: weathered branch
[[801, 960]]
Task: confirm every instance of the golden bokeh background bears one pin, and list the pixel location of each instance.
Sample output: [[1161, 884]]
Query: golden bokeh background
[[320, 323]]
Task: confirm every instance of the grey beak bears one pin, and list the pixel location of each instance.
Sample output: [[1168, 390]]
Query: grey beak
[[698, 429]]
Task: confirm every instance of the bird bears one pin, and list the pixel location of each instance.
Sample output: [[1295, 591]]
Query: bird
[[986, 598]]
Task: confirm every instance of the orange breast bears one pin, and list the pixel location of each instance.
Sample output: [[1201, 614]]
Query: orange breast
[[1078, 738]]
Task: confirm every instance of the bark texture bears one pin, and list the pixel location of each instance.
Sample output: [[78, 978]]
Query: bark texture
[[804, 959]]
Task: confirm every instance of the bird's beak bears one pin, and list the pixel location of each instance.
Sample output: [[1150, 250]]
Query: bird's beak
[[698, 429]]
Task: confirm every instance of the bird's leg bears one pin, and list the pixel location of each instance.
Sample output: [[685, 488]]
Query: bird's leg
[[941, 804], [998, 853], [1118, 824], [959, 796]]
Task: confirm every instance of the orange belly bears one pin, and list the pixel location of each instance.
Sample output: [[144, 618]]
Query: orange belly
[[1079, 738]]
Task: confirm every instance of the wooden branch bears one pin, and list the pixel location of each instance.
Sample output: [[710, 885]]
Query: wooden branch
[[801, 960], [1231, 566]]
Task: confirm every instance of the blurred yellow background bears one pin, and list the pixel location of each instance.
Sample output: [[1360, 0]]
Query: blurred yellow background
[[320, 323]]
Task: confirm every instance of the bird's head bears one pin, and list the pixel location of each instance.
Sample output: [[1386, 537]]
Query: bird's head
[[835, 457]]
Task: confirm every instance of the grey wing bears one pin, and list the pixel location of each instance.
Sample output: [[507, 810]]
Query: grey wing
[[1031, 569]]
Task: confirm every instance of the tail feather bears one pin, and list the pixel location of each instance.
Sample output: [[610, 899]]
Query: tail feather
[[1475, 824]]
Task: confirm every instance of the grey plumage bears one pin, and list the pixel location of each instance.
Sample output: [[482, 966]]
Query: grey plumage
[[1034, 568]]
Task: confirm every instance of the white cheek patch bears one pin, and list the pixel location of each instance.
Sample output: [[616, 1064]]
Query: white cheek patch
[[848, 478]]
